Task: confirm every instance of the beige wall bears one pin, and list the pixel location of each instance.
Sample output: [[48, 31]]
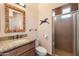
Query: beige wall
[[32, 18], [45, 11]]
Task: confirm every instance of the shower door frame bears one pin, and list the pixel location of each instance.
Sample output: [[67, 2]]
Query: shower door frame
[[74, 31], [77, 34]]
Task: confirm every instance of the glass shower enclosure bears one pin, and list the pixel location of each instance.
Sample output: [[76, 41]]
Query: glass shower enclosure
[[66, 34]]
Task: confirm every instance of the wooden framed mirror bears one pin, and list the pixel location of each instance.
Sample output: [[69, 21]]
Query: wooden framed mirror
[[14, 19]]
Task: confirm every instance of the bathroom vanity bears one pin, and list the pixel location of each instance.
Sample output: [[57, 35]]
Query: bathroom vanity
[[17, 47], [15, 22]]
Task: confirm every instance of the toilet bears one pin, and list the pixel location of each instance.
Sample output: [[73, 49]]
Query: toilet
[[41, 51]]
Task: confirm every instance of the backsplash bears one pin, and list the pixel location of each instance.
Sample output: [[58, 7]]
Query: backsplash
[[19, 36], [13, 37], [5, 38]]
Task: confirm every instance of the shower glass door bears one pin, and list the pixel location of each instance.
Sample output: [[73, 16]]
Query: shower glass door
[[65, 34]]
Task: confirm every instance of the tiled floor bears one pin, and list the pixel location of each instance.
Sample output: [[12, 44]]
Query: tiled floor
[[62, 53]]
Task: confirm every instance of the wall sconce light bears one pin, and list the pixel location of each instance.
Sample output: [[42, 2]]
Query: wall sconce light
[[22, 4]]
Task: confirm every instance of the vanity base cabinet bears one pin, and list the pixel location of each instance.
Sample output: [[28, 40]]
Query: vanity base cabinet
[[25, 50], [29, 53]]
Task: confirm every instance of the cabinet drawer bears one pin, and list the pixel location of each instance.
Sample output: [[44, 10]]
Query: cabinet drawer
[[29, 53], [22, 49]]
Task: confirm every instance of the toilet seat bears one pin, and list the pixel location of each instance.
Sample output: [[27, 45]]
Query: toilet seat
[[41, 49]]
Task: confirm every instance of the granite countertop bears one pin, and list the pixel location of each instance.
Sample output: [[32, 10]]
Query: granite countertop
[[10, 44]]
